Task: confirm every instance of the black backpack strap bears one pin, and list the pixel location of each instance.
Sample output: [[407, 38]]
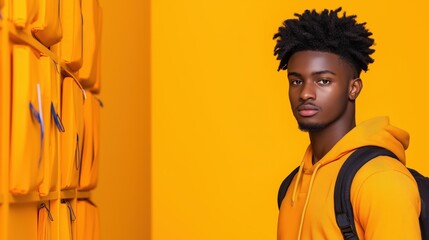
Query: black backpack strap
[[423, 185], [342, 203], [284, 186]]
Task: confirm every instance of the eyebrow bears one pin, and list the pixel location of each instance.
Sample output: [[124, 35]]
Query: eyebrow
[[296, 74]]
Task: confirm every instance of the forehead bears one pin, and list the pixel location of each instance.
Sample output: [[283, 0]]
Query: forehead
[[315, 61]]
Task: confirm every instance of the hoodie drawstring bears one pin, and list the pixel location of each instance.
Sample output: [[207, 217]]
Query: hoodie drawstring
[[307, 199], [295, 188]]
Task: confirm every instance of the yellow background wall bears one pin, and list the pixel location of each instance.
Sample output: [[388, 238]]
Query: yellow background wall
[[197, 132], [123, 192]]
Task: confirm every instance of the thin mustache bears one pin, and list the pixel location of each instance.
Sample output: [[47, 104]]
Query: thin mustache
[[307, 104]]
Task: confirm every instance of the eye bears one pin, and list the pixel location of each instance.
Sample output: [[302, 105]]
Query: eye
[[295, 82], [324, 82]]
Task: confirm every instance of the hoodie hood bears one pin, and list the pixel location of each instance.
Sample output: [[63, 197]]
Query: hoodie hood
[[375, 132]]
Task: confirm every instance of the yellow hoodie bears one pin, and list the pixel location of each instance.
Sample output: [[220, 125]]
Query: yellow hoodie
[[384, 195]]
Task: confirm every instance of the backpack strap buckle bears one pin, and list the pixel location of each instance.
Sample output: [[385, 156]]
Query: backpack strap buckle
[[346, 227]]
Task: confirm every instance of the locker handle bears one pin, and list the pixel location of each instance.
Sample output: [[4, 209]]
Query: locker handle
[[38, 115], [57, 119], [69, 206], [100, 102], [78, 157], [43, 205]]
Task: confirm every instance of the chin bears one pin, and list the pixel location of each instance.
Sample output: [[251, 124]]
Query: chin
[[310, 127]]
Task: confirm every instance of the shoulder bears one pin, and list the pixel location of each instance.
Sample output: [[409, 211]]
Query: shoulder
[[385, 182], [382, 190], [383, 167]]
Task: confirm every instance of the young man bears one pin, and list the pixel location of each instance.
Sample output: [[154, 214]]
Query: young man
[[324, 55]]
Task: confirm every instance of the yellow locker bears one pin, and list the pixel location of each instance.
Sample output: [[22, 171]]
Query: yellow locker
[[72, 101], [71, 43], [91, 11], [44, 222], [47, 28], [42, 118], [97, 84], [22, 220], [28, 121], [88, 223], [24, 12], [67, 220], [90, 159], [53, 125]]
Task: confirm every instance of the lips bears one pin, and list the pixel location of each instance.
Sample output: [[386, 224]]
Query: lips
[[307, 110]]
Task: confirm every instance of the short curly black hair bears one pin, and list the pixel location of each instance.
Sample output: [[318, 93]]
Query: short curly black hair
[[325, 32]]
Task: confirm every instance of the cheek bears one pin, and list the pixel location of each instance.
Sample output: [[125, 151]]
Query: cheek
[[293, 96], [333, 97], [290, 95]]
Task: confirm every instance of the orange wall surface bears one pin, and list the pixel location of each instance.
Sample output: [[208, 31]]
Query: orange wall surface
[[197, 132], [123, 192], [223, 136]]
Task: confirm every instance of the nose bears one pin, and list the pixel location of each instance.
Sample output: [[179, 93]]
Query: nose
[[307, 91]]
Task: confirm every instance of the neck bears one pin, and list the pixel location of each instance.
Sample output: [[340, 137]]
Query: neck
[[323, 140]]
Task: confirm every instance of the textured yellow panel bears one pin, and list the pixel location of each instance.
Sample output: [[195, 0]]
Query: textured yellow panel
[[44, 222], [71, 43], [87, 223], [92, 13], [24, 12], [20, 217], [47, 28], [90, 156], [50, 90], [72, 100], [67, 213], [28, 123]]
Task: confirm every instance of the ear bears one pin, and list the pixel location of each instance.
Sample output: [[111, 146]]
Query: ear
[[355, 87]]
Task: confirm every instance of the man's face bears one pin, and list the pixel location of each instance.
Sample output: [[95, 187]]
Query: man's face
[[318, 88]]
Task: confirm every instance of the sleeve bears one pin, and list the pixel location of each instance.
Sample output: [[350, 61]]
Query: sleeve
[[387, 206]]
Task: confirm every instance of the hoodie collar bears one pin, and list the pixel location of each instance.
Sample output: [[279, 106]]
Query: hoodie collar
[[376, 132]]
